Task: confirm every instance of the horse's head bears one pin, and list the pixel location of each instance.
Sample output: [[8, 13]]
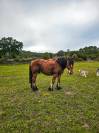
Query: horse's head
[[66, 63], [70, 64]]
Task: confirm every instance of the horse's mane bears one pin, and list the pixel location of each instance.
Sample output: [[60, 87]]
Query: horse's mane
[[62, 62]]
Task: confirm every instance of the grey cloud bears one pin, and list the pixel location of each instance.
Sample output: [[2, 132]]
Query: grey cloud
[[50, 25]]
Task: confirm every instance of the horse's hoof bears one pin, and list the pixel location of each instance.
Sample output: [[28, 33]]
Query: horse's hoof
[[50, 89], [58, 88], [34, 88]]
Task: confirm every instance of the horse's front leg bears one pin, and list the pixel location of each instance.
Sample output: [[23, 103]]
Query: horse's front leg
[[52, 83], [58, 82], [34, 87]]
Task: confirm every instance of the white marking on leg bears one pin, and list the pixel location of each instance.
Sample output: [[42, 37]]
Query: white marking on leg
[[34, 84], [51, 85], [58, 84]]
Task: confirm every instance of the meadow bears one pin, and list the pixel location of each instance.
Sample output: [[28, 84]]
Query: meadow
[[73, 109]]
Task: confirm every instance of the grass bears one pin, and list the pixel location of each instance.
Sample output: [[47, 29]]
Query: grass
[[73, 109]]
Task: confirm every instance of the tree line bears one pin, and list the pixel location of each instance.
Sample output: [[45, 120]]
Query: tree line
[[12, 49]]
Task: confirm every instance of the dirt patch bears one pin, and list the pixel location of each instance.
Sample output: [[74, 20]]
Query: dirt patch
[[68, 93], [86, 126]]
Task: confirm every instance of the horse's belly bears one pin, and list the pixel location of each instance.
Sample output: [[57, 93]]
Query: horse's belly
[[47, 69], [46, 73]]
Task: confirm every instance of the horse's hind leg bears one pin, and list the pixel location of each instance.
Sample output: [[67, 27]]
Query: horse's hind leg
[[58, 83], [52, 83], [34, 87]]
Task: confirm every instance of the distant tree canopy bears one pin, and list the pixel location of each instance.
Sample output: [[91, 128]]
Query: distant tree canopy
[[10, 47], [60, 53], [91, 52], [86, 53]]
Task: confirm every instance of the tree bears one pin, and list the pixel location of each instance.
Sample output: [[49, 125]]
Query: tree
[[10, 47], [46, 55], [60, 53]]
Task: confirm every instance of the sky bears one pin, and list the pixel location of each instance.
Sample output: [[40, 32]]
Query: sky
[[51, 25]]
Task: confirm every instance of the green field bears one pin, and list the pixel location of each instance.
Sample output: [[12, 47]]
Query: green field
[[73, 109]]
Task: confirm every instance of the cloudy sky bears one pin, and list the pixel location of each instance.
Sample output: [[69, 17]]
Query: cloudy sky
[[51, 25]]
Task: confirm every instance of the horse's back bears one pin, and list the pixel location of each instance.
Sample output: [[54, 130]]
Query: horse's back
[[43, 61]]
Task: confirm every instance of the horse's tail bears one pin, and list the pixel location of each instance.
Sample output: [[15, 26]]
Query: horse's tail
[[30, 75]]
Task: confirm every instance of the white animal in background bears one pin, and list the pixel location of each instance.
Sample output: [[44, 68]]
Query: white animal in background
[[97, 72], [83, 73]]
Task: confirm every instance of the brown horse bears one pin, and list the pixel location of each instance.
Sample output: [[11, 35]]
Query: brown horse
[[54, 67]]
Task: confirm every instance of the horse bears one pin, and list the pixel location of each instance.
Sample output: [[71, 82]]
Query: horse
[[53, 67]]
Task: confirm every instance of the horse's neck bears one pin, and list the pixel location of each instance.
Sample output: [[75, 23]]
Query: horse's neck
[[62, 62]]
